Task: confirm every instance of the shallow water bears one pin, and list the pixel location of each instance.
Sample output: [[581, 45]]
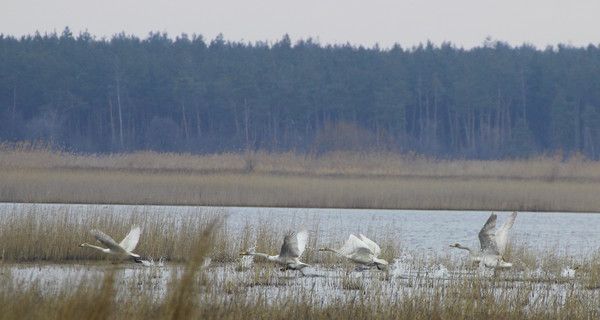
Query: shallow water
[[427, 233], [326, 286]]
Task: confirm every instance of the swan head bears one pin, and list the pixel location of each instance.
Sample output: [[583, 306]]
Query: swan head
[[455, 245], [245, 253], [380, 263], [83, 245], [324, 249]]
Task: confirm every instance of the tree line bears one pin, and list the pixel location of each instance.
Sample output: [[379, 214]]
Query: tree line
[[191, 95]]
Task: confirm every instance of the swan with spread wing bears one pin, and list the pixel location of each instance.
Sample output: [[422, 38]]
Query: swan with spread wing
[[363, 251], [293, 246], [493, 243], [121, 250]]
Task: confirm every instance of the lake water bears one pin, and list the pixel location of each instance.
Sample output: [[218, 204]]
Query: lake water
[[434, 231]]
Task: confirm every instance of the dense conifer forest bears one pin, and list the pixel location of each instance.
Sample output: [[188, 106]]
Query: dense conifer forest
[[189, 94]]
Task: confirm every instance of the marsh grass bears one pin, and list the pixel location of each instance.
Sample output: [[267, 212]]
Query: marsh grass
[[92, 299], [99, 298], [533, 289], [264, 292], [342, 180], [181, 302], [548, 168]]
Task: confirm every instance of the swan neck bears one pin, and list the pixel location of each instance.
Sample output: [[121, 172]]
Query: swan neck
[[468, 249], [334, 251], [96, 247], [262, 255]]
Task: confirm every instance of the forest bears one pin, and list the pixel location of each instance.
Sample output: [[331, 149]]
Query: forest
[[191, 95]]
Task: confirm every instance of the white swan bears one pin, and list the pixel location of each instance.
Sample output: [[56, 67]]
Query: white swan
[[492, 244], [362, 251], [121, 250], [293, 246], [569, 272]]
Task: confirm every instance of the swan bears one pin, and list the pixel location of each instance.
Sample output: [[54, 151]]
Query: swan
[[492, 244], [293, 246], [569, 272], [122, 250], [362, 251]]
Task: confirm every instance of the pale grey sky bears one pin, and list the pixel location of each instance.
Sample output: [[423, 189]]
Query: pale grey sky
[[465, 23]]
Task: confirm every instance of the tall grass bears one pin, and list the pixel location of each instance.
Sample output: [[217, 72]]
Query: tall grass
[[341, 180], [88, 300], [53, 233], [358, 164]]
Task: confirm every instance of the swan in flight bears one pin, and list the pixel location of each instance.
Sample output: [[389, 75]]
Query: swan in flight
[[362, 251], [293, 246], [493, 244], [122, 250]]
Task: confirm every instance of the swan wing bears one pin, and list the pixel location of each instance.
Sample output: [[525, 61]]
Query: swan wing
[[487, 237], [371, 244], [302, 237], [107, 241], [291, 245], [363, 255], [353, 245], [502, 233], [131, 240]]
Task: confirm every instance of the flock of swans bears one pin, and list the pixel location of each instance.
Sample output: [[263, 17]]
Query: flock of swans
[[362, 251]]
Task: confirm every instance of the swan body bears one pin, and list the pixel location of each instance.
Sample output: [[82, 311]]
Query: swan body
[[569, 272], [121, 250], [293, 246], [493, 243], [363, 251]]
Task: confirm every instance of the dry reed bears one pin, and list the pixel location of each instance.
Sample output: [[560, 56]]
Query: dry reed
[[340, 180]]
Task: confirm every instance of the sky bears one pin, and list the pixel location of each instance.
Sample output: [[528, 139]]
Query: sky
[[464, 23]]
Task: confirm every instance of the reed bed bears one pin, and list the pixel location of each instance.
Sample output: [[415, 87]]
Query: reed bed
[[54, 234], [262, 291], [360, 164], [335, 180], [66, 186]]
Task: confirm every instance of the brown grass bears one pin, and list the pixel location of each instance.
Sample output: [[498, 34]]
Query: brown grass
[[341, 180], [348, 164]]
